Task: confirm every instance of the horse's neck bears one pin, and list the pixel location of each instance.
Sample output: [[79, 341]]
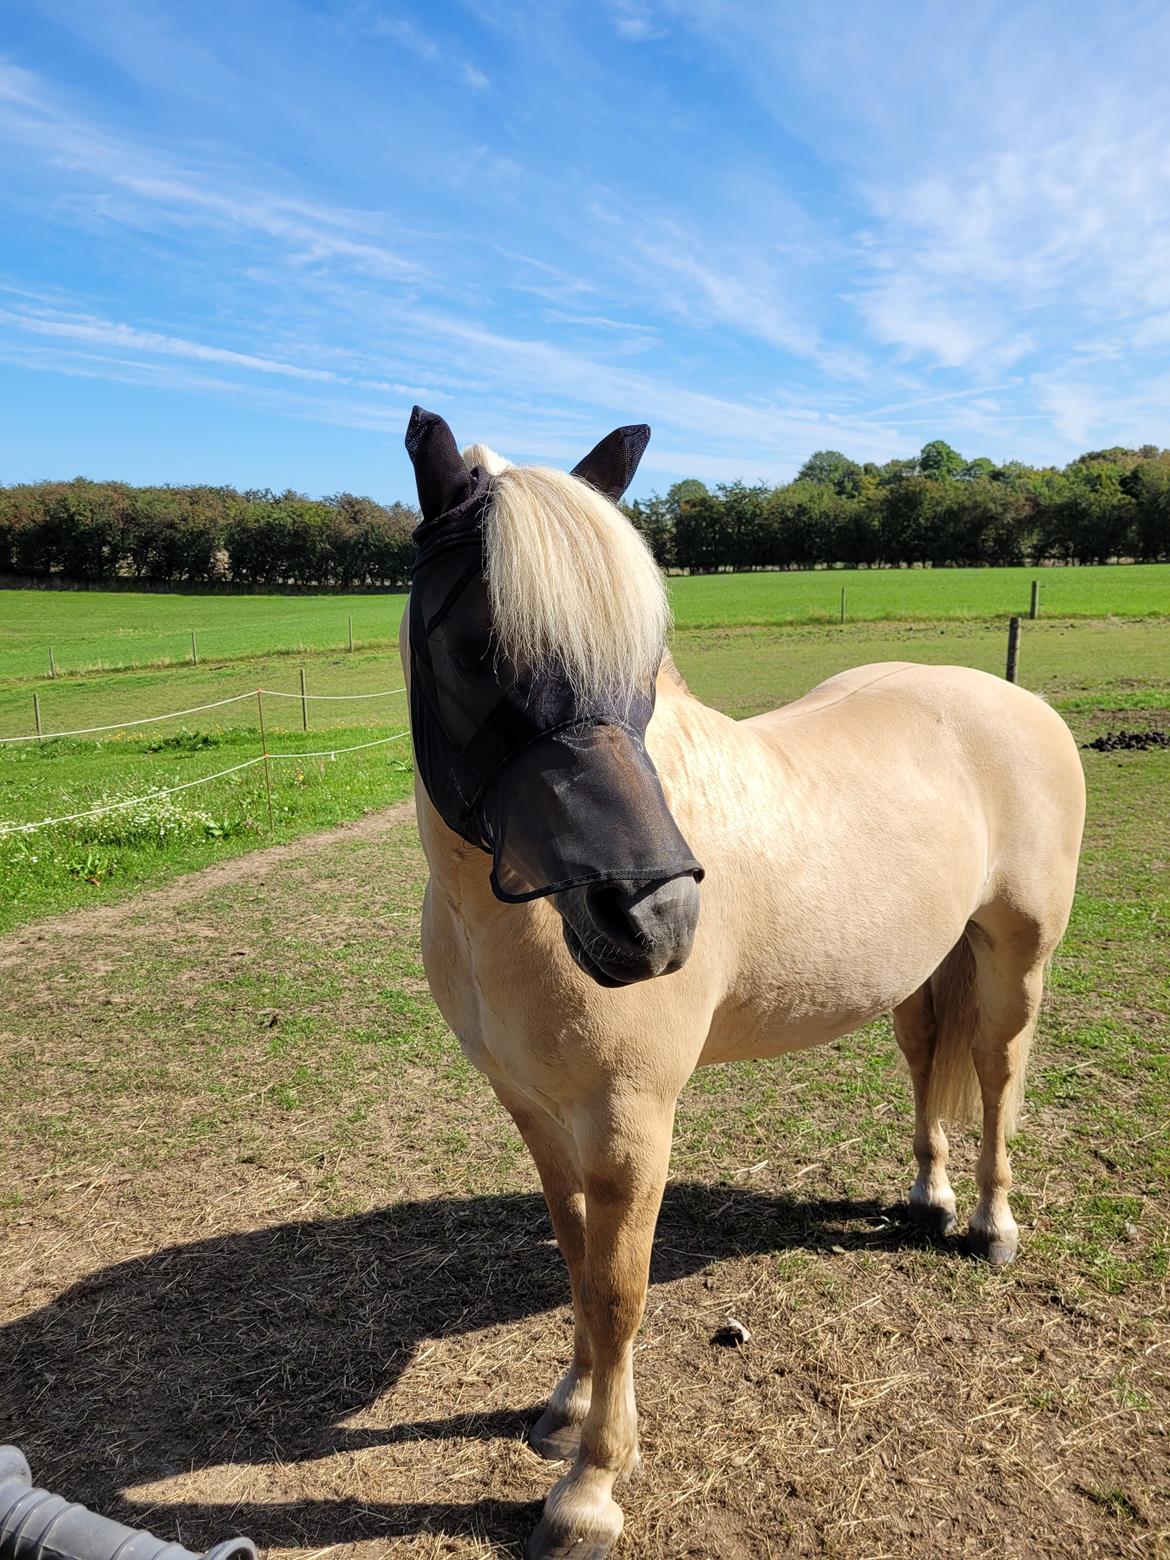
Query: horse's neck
[[670, 678], [460, 871]]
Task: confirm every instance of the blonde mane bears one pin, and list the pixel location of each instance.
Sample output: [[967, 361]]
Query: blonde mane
[[571, 583]]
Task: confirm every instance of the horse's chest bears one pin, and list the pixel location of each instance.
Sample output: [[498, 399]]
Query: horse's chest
[[449, 964]]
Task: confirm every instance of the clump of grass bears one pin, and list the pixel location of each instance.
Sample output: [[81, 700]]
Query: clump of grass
[[184, 741], [151, 819]]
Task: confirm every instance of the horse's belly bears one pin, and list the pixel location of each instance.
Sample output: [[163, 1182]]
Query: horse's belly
[[810, 978], [756, 1033]]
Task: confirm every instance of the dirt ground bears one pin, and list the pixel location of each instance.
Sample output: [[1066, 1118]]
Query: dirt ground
[[272, 1261]]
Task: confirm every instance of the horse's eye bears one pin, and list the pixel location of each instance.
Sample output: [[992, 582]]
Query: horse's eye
[[471, 661]]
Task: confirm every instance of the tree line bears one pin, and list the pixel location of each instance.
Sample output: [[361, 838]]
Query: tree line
[[936, 508], [93, 531]]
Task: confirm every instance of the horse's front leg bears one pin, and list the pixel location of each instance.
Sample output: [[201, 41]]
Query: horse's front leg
[[623, 1148], [557, 1433]]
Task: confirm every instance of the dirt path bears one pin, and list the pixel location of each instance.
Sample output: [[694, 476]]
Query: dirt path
[[254, 866]]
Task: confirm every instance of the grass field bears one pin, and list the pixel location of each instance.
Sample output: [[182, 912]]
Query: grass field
[[275, 1262], [1122, 668], [91, 630]]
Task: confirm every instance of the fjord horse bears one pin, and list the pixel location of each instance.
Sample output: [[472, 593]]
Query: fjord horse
[[903, 839]]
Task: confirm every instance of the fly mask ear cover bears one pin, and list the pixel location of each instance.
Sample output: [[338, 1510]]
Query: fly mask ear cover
[[559, 792]]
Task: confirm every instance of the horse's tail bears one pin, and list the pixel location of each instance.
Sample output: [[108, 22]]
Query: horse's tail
[[954, 1088]]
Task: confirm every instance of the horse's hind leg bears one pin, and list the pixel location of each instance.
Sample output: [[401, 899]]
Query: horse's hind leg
[[557, 1433], [932, 1202], [1010, 963]]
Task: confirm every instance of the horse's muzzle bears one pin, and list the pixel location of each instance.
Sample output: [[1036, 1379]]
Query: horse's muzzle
[[619, 933]]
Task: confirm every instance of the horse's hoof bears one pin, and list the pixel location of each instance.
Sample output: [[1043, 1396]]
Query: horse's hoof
[[555, 1437], [934, 1221], [548, 1542], [997, 1253]]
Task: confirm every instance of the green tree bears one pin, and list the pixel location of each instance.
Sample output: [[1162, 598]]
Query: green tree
[[1148, 486], [653, 518], [829, 468], [940, 461]]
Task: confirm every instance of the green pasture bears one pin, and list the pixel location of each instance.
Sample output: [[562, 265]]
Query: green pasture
[[913, 595], [93, 630], [113, 855], [1099, 674], [96, 630], [242, 1084]]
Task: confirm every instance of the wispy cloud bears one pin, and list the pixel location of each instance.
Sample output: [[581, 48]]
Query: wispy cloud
[[636, 21], [111, 333]]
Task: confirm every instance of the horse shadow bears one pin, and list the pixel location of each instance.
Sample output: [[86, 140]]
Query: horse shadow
[[255, 1347]]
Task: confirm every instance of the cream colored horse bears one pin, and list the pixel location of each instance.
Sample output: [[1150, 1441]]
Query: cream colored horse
[[903, 839]]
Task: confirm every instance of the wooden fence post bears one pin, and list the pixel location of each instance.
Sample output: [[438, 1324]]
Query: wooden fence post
[[1013, 653], [37, 712], [264, 750], [351, 635], [842, 603], [52, 663], [194, 650], [1034, 609], [304, 703]]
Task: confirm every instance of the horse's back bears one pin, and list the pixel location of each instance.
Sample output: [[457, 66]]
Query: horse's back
[[1001, 751], [955, 692]]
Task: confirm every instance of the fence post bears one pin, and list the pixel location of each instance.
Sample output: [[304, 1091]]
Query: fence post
[[351, 635], [1013, 655], [842, 603], [52, 663], [264, 750], [37, 713], [1034, 609], [304, 703], [194, 650]]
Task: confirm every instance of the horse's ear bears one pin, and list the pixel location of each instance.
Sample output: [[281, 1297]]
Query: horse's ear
[[443, 480], [610, 465]]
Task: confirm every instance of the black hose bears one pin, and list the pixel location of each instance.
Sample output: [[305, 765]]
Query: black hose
[[35, 1525]]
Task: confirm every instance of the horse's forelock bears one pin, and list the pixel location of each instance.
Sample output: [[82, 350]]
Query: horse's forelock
[[571, 583]]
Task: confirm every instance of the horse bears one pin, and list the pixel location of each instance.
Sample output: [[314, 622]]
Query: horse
[[626, 884]]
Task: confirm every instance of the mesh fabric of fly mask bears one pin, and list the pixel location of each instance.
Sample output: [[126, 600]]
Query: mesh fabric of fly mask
[[561, 793]]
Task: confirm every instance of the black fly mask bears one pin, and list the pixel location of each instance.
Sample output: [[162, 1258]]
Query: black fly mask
[[559, 790]]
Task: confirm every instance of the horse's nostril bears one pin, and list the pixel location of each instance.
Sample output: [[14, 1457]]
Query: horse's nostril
[[657, 919], [610, 909]]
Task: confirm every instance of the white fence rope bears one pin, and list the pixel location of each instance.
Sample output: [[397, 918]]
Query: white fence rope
[[333, 752], [271, 693], [118, 725], [132, 801], [196, 709]]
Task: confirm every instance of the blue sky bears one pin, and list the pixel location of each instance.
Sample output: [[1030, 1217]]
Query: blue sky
[[239, 240]]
